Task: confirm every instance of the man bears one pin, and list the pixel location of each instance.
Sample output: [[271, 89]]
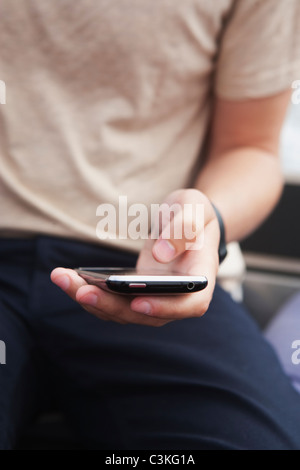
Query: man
[[176, 102]]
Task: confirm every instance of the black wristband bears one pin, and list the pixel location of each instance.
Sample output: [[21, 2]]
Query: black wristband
[[222, 244]]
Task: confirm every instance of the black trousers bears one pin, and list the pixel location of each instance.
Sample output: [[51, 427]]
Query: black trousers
[[201, 383]]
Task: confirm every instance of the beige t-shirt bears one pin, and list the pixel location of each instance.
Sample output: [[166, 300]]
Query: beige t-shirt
[[108, 98]]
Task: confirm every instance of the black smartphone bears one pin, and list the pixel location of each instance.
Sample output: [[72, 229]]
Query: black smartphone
[[133, 282]]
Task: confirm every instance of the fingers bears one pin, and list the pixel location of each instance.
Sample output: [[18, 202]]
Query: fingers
[[179, 235], [189, 305], [175, 307], [204, 262], [150, 311], [183, 223], [108, 307], [68, 280], [114, 307]]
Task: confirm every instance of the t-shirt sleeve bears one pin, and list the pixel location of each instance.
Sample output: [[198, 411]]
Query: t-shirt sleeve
[[259, 51]]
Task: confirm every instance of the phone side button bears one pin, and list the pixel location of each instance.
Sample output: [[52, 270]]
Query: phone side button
[[141, 285]]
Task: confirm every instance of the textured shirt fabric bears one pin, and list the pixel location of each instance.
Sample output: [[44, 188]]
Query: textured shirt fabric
[[107, 98]]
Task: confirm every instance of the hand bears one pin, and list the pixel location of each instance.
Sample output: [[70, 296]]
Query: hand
[[169, 255]]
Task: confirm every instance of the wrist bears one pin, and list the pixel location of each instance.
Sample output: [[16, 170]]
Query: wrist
[[222, 249]]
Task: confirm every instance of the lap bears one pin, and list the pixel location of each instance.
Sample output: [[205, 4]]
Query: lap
[[20, 376], [196, 384], [201, 383]]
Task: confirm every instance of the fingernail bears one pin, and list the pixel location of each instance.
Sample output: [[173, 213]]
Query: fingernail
[[142, 307], [164, 250], [63, 282], [89, 299]]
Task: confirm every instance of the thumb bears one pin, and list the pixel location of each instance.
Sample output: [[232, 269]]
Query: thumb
[[184, 232]]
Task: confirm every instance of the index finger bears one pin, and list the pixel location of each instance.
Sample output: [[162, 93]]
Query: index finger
[[68, 280]]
